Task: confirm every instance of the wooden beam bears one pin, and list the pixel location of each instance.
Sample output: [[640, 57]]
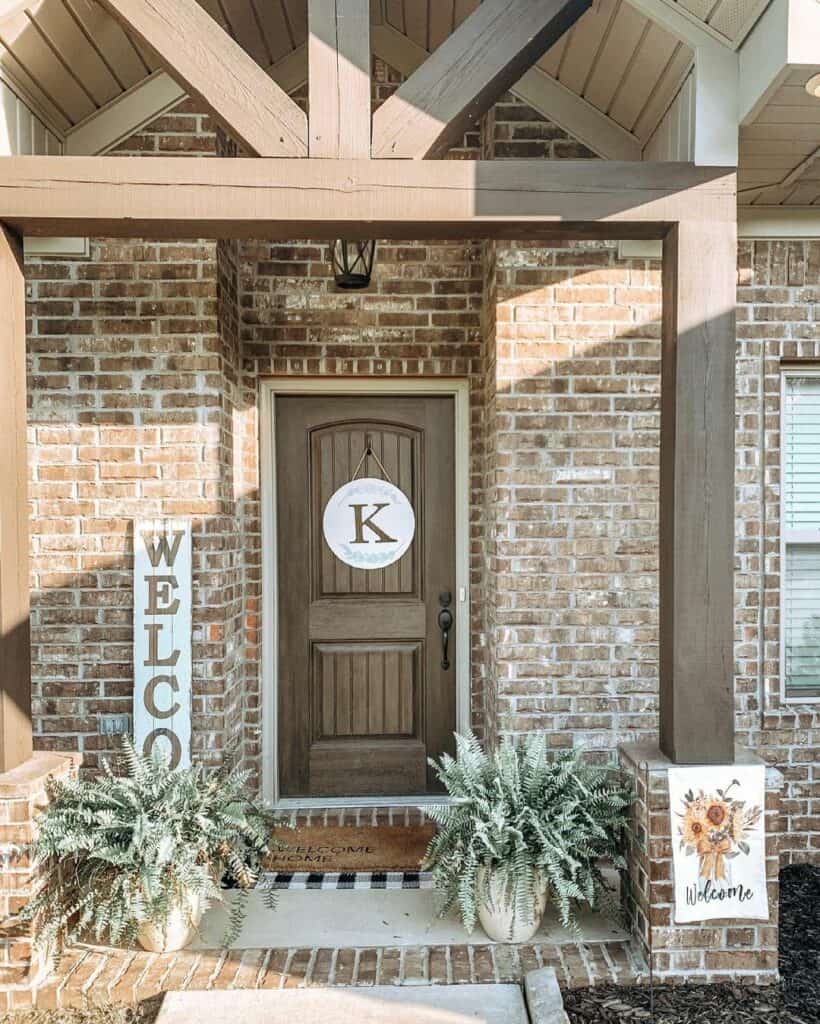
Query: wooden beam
[[124, 115], [15, 637], [339, 78], [716, 135], [462, 79], [165, 197], [697, 496], [208, 64], [574, 114]]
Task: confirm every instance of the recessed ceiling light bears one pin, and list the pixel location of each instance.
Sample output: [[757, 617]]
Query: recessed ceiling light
[[813, 86]]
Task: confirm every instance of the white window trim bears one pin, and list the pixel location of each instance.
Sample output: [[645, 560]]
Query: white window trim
[[269, 388], [789, 536]]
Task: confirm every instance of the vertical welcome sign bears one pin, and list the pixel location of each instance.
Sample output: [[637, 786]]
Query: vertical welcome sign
[[162, 638]]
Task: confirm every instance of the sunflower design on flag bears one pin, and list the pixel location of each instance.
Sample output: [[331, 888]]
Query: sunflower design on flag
[[714, 827]]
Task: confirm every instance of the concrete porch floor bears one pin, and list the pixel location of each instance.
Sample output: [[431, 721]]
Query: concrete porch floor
[[336, 938], [347, 918]]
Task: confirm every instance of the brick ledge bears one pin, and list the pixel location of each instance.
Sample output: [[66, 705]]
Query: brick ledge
[[30, 777]]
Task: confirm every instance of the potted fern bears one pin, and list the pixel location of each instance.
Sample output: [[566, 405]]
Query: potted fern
[[524, 827], [141, 856]]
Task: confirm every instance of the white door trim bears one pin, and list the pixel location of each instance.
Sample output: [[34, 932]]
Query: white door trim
[[269, 388]]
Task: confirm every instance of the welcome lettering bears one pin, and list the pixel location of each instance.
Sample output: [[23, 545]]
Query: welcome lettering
[[162, 639]]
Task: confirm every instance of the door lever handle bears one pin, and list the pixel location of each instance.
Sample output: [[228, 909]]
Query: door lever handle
[[445, 624]]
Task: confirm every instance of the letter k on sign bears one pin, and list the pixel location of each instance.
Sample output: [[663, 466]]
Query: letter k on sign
[[381, 536], [368, 523]]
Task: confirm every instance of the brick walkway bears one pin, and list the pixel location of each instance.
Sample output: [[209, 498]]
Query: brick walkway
[[94, 974]]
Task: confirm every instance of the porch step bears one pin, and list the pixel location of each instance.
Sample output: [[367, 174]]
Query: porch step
[[456, 1004]]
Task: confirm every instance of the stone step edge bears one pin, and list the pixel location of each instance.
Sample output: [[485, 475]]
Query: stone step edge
[[542, 993]]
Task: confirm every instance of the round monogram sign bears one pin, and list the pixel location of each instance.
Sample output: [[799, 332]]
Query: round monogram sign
[[369, 523]]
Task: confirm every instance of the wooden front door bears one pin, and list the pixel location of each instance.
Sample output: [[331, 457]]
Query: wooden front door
[[363, 697]]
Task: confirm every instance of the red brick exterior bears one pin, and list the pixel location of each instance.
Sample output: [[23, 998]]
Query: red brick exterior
[[144, 366], [22, 797], [714, 951]]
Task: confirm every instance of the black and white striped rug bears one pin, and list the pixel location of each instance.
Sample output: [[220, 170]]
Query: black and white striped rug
[[348, 880]]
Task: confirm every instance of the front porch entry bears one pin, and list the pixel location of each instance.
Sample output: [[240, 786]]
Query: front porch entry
[[367, 664]]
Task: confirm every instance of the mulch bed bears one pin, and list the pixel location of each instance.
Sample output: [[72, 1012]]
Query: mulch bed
[[795, 1001]]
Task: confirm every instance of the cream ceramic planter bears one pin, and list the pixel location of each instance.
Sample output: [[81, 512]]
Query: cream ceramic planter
[[497, 919], [179, 928]]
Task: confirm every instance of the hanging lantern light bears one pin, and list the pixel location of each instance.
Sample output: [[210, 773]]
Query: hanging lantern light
[[352, 262]]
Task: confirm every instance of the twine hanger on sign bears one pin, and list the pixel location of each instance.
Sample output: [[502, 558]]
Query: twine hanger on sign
[[369, 451]]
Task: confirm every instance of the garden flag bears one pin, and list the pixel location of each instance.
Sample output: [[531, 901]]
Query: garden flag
[[719, 842]]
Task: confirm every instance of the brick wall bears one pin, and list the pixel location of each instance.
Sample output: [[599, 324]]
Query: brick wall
[[574, 459], [144, 365], [23, 795], [723, 949], [778, 289], [129, 416]]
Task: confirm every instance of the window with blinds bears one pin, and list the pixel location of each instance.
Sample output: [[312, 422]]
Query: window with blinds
[[800, 536]]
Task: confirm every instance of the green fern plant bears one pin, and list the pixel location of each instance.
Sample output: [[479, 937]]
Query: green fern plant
[[537, 820], [118, 851]]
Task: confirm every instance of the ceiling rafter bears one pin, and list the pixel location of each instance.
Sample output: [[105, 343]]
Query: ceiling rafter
[[466, 74], [538, 89]]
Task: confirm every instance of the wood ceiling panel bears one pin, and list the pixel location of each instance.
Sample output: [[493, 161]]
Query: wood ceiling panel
[[76, 50], [551, 61], [244, 26], [669, 84], [415, 21], [643, 76], [296, 14], [775, 114], [439, 22], [28, 48], [394, 14], [582, 50], [110, 41], [147, 55], [31, 92], [807, 193], [276, 28], [615, 57]]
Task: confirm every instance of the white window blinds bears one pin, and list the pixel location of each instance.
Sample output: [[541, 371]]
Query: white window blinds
[[800, 536]]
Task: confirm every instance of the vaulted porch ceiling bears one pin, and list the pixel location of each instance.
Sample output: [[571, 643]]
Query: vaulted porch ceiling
[[610, 79]]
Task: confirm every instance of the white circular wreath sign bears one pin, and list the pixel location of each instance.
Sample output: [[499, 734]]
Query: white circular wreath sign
[[369, 523]]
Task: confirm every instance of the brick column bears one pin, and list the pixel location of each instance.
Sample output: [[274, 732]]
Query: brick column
[[22, 797], [720, 950]]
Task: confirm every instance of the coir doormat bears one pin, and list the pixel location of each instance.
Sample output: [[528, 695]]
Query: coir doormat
[[326, 848]]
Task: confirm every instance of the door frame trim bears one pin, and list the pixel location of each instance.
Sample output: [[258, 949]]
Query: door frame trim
[[459, 389]]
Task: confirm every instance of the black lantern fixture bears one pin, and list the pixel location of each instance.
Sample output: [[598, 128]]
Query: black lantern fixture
[[352, 262]]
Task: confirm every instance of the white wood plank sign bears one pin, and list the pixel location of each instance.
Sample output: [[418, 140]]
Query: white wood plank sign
[[162, 638], [719, 842]]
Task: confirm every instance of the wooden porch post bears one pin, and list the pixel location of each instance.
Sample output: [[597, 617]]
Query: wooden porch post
[[15, 639], [697, 492]]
